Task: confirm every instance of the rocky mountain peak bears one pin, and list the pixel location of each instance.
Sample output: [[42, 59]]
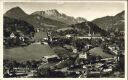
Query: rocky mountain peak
[[80, 19], [16, 12], [51, 12], [121, 14], [16, 9], [113, 22]]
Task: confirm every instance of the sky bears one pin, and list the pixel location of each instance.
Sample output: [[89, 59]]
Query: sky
[[88, 10]]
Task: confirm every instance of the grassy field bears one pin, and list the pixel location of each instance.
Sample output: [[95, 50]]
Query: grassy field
[[97, 51], [34, 51], [40, 35]]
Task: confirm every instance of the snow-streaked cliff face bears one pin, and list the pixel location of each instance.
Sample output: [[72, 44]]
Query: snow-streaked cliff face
[[51, 12]]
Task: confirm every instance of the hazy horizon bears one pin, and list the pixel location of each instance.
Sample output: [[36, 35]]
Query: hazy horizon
[[87, 10]]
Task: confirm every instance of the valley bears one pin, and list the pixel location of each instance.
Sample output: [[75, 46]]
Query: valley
[[50, 44]]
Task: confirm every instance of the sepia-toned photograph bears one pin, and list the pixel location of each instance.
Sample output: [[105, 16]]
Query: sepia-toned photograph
[[64, 39]]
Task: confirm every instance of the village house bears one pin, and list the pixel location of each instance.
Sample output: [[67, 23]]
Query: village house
[[83, 55], [12, 35], [47, 59], [114, 49], [37, 30]]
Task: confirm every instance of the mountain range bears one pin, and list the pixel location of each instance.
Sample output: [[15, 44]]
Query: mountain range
[[54, 19], [48, 18], [36, 20], [55, 15]]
